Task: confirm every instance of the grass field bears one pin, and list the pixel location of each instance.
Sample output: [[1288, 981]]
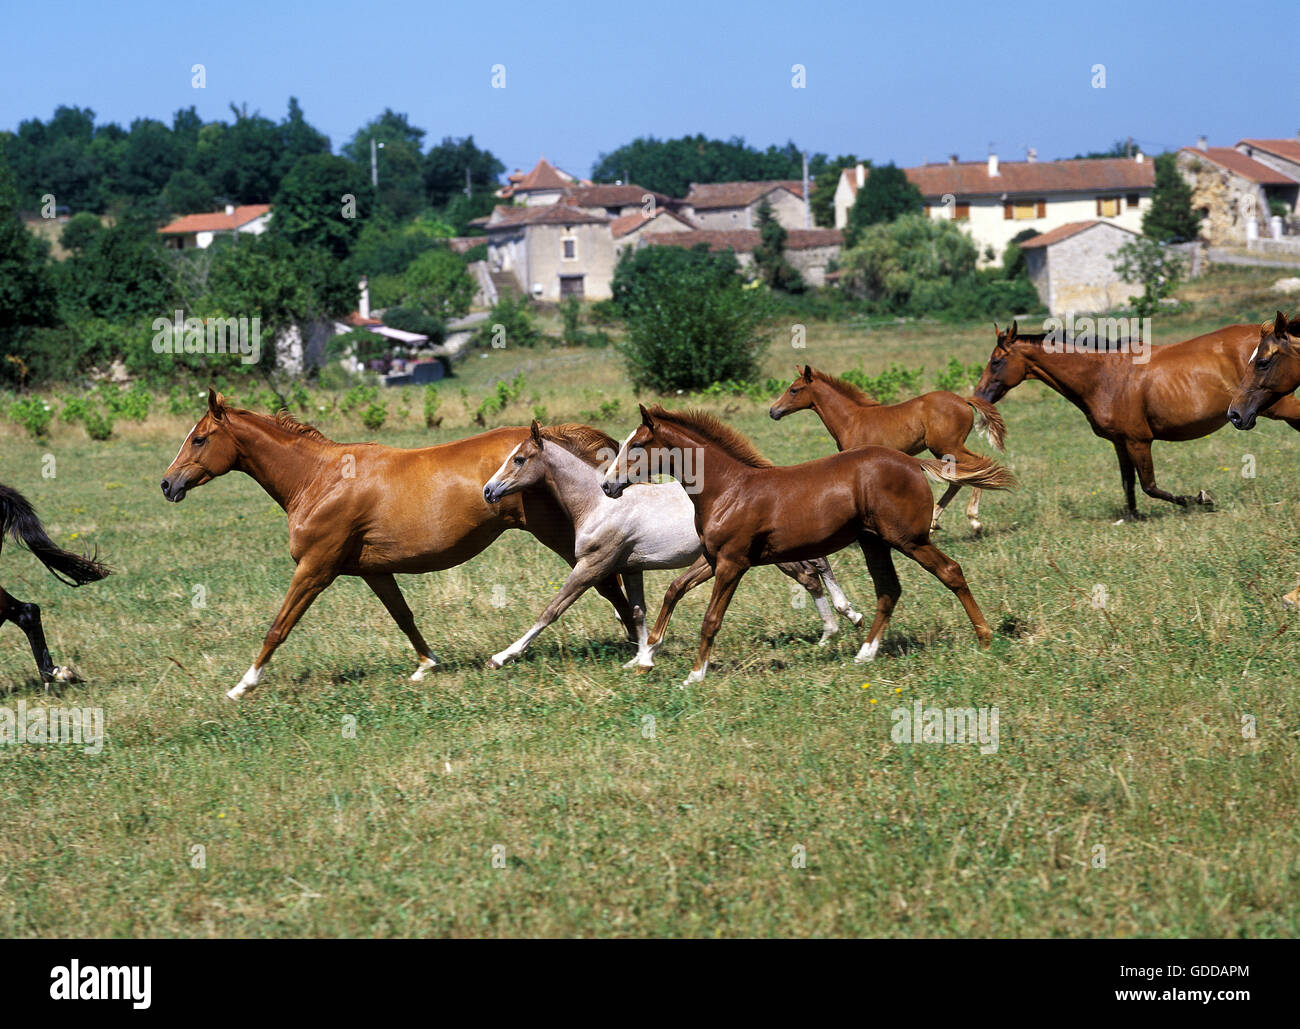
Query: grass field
[[1120, 727]]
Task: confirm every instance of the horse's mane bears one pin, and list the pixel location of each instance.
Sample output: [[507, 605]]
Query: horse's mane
[[1109, 346], [289, 423], [715, 431], [582, 441], [847, 388], [1292, 326]]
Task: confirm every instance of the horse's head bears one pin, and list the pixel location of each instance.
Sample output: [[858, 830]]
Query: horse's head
[[524, 467], [630, 465], [208, 451], [1272, 372], [1006, 368], [798, 397]]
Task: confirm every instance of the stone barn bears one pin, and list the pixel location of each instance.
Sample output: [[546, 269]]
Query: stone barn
[[1073, 267]]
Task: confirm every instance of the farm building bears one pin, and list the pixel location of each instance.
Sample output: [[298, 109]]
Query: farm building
[[545, 184], [1235, 188], [995, 201], [199, 230], [1073, 267], [725, 206], [808, 251]]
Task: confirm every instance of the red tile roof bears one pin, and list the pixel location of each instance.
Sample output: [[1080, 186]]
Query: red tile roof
[[544, 176], [706, 195], [217, 221], [1287, 148], [611, 196], [636, 220], [1061, 232], [542, 214], [1239, 164], [971, 178], [743, 241], [357, 322]]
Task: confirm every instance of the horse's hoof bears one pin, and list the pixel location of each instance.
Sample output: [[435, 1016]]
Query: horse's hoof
[[976, 527], [1204, 498], [64, 673], [855, 617], [642, 669], [493, 664], [1291, 600]]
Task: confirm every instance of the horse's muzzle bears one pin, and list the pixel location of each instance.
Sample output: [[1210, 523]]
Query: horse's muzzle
[[490, 495], [173, 491], [1239, 420], [775, 414], [613, 489]]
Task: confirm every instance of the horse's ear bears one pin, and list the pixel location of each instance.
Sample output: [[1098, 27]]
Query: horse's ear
[[807, 373], [646, 420], [1280, 326], [535, 430], [1013, 331], [216, 404]]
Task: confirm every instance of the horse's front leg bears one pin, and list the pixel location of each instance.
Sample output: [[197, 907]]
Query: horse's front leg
[[310, 577], [806, 576], [728, 572], [1139, 452], [586, 573], [386, 589], [28, 618]]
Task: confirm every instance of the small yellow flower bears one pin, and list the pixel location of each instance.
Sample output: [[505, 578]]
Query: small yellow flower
[[221, 815], [898, 689], [866, 685], [873, 700]]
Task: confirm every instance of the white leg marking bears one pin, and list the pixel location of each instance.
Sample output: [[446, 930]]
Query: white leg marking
[[697, 675], [250, 680], [830, 625], [868, 652], [425, 664]]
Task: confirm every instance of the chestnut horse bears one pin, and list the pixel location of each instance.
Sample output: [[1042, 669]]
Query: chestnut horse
[[371, 511], [19, 521], [938, 421], [1181, 393], [750, 512], [1272, 373]]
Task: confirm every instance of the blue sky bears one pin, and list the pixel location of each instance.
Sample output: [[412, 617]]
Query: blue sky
[[900, 81]]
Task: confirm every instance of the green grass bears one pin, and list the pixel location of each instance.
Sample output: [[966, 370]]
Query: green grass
[[1118, 728]]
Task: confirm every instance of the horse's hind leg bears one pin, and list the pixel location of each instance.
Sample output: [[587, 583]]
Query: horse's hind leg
[[973, 509], [1139, 452], [839, 601], [613, 592], [803, 573], [386, 589], [28, 618], [701, 571], [585, 574], [942, 503], [635, 582], [948, 572], [880, 563]]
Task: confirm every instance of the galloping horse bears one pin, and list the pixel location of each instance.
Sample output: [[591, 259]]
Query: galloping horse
[[1272, 373], [1182, 393], [938, 421], [749, 512], [368, 510], [19, 521], [653, 527]]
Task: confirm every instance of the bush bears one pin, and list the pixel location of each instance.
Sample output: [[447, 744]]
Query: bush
[[690, 321], [374, 416], [889, 384], [957, 376], [411, 319], [432, 401], [99, 426], [33, 414], [438, 282], [511, 324]]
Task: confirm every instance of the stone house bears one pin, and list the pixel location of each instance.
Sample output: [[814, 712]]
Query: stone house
[[724, 206], [995, 201], [199, 230], [1232, 190], [618, 201], [554, 251], [1281, 155], [809, 251], [545, 184], [1073, 267]]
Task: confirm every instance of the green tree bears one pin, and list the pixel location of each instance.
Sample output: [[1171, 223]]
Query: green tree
[[445, 166], [121, 275], [690, 321], [886, 195], [188, 192], [311, 207], [670, 166], [769, 256], [1153, 266], [79, 231], [439, 284], [1170, 218], [27, 288], [895, 262], [825, 182]]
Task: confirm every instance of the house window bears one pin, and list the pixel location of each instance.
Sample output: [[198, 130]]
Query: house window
[[1024, 210], [569, 248], [1108, 207], [1133, 200], [961, 212]]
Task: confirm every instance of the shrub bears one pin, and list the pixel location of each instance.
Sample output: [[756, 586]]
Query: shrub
[[690, 321], [374, 416], [432, 401], [889, 384], [33, 414], [99, 425], [511, 323], [957, 376], [411, 319]]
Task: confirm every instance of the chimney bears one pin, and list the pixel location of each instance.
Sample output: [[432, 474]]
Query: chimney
[[364, 306], [952, 158], [862, 174], [1202, 143], [1031, 155], [230, 210], [1139, 157], [993, 166]]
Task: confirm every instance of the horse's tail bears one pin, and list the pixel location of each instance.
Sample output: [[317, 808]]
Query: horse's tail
[[983, 472], [18, 520], [988, 423]]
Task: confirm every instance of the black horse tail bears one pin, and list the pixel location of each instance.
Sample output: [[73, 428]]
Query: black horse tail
[[18, 520]]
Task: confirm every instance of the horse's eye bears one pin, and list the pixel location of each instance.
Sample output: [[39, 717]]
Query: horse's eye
[[794, 390], [519, 460], [200, 440], [1262, 362]]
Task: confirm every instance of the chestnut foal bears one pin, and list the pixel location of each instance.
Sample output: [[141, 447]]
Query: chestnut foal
[[938, 421], [749, 512]]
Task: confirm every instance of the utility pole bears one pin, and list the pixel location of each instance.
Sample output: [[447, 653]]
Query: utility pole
[[468, 191], [374, 162]]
